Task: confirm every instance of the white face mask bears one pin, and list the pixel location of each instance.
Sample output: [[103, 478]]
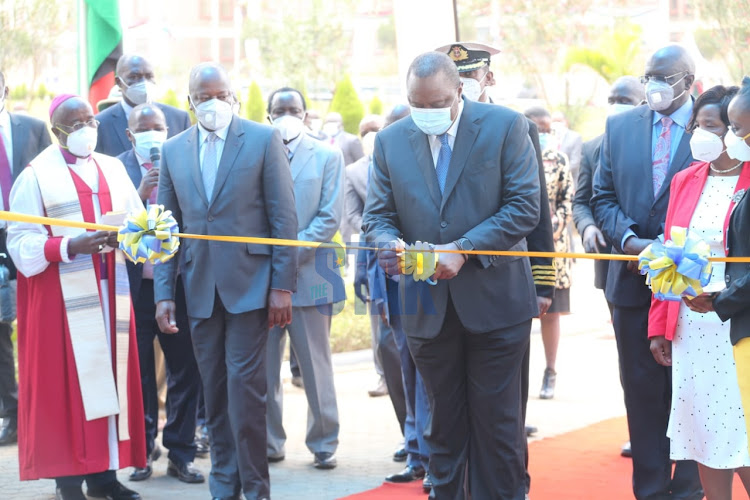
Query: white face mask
[[737, 148], [145, 141], [82, 142], [472, 88], [432, 121], [289, 126], [214, 114], [141, 92], [548, 141], [331, 129], [705, 146], [660, 95], [617, 108]]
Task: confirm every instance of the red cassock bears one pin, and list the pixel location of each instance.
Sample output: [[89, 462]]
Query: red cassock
[[54, 438]]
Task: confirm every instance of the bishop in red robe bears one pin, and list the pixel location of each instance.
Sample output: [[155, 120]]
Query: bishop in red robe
[[80, 405]]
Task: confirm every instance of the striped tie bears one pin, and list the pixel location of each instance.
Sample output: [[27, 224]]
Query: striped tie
[[444, 159], [209, 164]]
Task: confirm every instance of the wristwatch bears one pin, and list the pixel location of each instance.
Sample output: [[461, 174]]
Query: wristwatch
[[464, 244]]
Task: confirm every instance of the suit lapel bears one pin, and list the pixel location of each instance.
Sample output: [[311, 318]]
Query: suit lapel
[[465, 137], [646, 127], [133, 168], [119, 124], [421, 148], [232, 147], [302, 156], [193, 140], [19, 134]]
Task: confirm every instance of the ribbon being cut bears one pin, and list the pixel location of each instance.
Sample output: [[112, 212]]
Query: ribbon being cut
[[678, 267], [149, 236], [419, 260]]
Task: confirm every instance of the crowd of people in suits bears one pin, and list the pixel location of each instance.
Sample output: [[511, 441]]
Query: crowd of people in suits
[[451, 168]]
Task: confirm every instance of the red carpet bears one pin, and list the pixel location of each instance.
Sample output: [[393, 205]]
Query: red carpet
[[579, 465]]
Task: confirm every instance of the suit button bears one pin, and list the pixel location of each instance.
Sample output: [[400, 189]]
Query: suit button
[[653, 213], [210, 218], [443, 224], [727, 279]]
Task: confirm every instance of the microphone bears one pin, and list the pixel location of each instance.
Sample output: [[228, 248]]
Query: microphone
[[155, 157]]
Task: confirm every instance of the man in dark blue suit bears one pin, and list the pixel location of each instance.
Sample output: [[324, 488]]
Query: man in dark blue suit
[[147, 130], [21, 139], [641, 151], [135, 77]]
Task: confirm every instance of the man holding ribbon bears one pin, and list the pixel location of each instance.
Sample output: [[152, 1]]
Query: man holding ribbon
[[462, 175], [80, 408]]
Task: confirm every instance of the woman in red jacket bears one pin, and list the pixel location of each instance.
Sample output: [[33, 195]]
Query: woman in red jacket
[[707, 423]]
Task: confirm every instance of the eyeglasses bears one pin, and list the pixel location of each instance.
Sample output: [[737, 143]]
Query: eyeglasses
[[664, 79], [94, 123]]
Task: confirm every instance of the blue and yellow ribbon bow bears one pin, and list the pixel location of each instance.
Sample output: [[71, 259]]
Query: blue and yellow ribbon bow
[[149, 236], [678, 267]]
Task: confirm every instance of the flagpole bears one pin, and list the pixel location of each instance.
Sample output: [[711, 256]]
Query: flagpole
[[83, 77]]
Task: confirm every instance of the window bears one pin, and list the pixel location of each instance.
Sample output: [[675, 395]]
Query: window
[[226, 50], [226, 10]]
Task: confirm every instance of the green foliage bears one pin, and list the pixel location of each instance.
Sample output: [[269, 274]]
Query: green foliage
[[725, 34], [614, 55], [255, 106], [170, 98], [376, 106], [350, 325], [19, 92], [301, 40], [346, 102]]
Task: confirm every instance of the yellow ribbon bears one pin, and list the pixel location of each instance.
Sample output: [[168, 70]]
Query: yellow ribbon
[[35, 219]]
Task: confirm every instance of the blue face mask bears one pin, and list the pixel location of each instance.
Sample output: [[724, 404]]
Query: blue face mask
[[433, 121], [546, 141]]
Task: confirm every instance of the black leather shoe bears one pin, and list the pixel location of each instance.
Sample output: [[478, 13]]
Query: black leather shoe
[[276, 459], [113, 491], [69, 493], [400, 455], [427, 483], [156, 453], [185, 473], [236, 497], [141, 473], [9, 431], [325, 460], [625, 451], [407, 475], [531, 430], [202, 450]]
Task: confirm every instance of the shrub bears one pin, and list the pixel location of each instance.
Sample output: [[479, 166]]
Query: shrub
[[346, 102]]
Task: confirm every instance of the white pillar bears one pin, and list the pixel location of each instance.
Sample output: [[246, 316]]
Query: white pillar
[[421, 26]]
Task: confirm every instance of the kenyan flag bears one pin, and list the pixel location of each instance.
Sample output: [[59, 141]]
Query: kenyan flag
[[100, 28]]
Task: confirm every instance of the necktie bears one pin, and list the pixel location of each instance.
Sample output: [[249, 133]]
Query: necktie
[[662, 152], [209, 164], [6, 176], [444, 159], [152, 198]]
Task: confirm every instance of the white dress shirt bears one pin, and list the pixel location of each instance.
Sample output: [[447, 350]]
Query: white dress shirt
[[435, 141]]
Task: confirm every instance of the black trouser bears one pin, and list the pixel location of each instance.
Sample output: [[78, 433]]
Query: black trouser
[[8, 387], [183, 379], [97, 479], [473, 382], [648, 400]]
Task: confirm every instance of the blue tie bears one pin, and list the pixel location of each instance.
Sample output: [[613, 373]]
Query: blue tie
[[444, 159]]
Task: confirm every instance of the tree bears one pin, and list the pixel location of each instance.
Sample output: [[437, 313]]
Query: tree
[[301, 41], [615, 55], [346, 102], [29, 34], [726, 34], [255, 107], [376, 106]]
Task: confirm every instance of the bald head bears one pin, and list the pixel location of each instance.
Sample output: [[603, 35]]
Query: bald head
[[399, 111], [131, 70], [334, 117], [209, 81], [432, 82], [147, 117], [71, 115], [626, 90], [675, 57], [671, 64]]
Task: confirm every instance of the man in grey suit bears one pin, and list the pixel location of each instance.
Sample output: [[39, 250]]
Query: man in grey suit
[[21, 139], [229, 176], [349, 144], [462, 175], [318, 175], [641, 151], [135, 77]]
